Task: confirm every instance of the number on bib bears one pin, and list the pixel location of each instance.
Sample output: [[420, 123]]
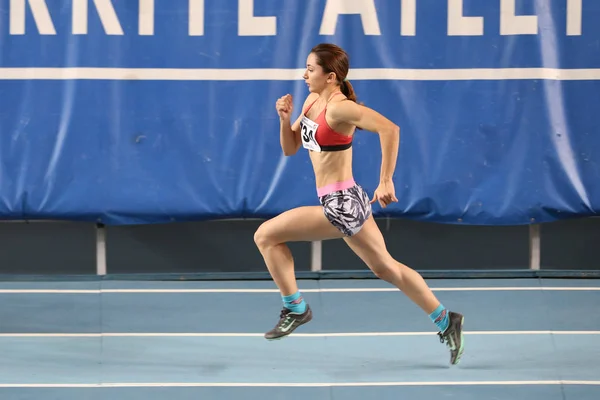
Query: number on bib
[[308, 130]]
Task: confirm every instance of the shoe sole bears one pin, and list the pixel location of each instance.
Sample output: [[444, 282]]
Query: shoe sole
[[461, 349]]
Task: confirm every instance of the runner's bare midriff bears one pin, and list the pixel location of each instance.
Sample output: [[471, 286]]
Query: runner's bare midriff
[[332, 167]]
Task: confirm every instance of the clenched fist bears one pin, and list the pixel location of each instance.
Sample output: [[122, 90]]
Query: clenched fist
[[284, 107]]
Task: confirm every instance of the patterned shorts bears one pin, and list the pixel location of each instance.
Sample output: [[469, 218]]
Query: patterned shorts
[[347, 209]]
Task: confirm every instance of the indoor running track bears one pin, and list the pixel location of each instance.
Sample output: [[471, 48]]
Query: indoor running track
[[525, 339]]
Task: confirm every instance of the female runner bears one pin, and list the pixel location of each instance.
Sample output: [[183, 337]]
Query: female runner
[[325, 129]]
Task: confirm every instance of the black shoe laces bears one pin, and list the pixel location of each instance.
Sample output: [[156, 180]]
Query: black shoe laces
[[442, 339]]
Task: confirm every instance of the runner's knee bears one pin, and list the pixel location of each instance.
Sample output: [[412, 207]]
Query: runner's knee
[[264, 237], [386, 268], [384, 271]]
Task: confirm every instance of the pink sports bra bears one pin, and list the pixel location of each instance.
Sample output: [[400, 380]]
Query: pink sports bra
[[318, 136]]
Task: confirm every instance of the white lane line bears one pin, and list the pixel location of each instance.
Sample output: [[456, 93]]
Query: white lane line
[[300, 335], [294, 384], [323, 290]]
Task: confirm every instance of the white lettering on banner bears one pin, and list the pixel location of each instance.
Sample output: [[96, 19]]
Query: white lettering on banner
[[196, 18], [146, 18], [335, 8], [41, 16], [408, 18], [106, 12], [459, 25], [249, 25], [574, 17], [512, 24]]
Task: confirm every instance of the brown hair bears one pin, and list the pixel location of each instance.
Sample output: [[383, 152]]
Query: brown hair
[[333, 58]]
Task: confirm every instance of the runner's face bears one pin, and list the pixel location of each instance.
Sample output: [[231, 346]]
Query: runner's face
[[314, 75]]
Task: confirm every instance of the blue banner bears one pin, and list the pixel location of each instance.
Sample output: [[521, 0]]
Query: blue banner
[[149, 111]]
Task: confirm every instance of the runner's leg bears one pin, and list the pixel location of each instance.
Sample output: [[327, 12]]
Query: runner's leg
[[299, 224], [296, 225], [370, 246]]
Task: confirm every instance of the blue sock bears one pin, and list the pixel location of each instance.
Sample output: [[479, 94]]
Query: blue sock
[[294, 302], [440, 318]]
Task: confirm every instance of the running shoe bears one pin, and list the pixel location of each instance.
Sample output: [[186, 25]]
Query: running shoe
[[288, 322], [453, 337]]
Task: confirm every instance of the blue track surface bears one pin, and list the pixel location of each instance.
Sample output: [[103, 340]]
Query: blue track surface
[[149, 340]]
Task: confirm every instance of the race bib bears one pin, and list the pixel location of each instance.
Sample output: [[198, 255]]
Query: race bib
[[308, 130]]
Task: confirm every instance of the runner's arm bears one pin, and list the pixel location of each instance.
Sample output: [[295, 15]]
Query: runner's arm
[[370, 120], [290, 135]]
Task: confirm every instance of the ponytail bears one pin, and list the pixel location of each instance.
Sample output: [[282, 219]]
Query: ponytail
[[348, 90]]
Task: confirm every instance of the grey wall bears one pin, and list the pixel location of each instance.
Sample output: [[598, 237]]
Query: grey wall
[[47, 248], [228, 246], [214, 246], [571, 244], [427, 246]]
